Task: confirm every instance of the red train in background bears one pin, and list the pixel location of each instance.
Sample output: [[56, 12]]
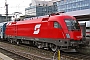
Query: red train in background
[[54, 31]]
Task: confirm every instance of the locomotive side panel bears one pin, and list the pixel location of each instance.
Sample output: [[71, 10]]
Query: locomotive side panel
[[10, 30], [34, 30], [24, 30]]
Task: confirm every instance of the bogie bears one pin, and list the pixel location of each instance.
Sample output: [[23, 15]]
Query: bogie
[[53, 47]]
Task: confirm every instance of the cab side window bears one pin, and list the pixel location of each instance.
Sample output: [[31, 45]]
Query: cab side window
[[57, 25]]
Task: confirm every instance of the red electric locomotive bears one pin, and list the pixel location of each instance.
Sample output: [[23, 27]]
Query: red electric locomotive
[[54, 31]]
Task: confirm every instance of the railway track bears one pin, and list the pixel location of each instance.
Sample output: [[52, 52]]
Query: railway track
[[12, 55], [75, 56], [30, 53], [33, 53]]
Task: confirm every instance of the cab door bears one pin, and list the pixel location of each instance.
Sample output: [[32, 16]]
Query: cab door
[[53, 29]]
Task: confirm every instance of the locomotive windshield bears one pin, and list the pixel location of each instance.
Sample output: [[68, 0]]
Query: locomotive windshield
[[72, 24]]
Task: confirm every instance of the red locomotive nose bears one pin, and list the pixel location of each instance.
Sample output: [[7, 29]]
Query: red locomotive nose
[[76, 35]]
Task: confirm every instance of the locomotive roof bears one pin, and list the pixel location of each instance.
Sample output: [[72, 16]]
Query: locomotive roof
[[40, 19]]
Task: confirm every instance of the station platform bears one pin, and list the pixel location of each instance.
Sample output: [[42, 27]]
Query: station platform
[[4, 57]]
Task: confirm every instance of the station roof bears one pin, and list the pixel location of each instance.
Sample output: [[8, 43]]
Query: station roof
[[81, 15], [79, 12]]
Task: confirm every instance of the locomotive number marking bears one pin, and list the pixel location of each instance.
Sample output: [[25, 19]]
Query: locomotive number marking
[[37, 29]]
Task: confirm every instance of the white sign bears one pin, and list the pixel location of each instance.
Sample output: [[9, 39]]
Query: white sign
[[37, 29]]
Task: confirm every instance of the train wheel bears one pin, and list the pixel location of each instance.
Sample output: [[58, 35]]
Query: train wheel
[[53, 47], [17, 42], [39, 45], [11, 41]]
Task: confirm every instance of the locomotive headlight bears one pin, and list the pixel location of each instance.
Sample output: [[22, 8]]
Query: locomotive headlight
[[67, 35]]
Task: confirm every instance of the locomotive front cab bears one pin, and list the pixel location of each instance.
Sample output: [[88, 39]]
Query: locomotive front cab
[[66, 32], [74, 34], [70, 32], [74, 31]]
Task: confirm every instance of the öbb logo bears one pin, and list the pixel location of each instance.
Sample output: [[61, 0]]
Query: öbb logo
[[37, 29]]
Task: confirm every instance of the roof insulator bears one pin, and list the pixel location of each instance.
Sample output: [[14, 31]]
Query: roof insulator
[[62, 11], [57, 13]]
